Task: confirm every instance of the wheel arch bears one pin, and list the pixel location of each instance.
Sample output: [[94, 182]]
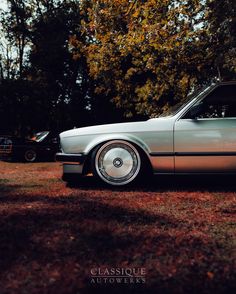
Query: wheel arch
[[139, 144]]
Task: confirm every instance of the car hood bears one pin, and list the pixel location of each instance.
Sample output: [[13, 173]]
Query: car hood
[[140, 126], [21, 141]]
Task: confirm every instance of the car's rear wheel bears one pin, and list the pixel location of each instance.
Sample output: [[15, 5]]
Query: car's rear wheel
[[116, 163], [30, 155]]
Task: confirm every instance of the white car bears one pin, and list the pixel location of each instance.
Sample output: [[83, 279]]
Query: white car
[[199, 137]]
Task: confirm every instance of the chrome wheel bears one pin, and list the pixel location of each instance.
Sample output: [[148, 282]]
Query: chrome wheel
[[30, 155], [117, 162]]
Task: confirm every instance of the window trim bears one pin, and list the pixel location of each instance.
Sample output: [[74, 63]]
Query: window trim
[[190, 105]]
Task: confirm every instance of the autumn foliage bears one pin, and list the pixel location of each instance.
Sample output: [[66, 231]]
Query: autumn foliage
[[83, 62], [148, 55]]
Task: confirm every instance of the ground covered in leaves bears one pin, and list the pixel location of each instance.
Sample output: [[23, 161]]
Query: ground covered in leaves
[[180, 229]]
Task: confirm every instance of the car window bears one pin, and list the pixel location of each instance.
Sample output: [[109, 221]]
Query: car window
[[221, 103], [179, 106], [39, 137]]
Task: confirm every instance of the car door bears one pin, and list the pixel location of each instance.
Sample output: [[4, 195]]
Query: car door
[[205, 136]]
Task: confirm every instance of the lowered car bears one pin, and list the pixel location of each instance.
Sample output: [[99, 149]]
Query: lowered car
[[43, 146], [197, 137]]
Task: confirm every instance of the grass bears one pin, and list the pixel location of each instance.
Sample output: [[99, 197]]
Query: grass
[[180, 229]]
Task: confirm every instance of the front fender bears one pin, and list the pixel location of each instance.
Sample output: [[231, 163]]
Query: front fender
[[108, 137]]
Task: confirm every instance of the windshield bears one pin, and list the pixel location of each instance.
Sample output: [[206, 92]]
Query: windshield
[[180, 105], [39, 137]]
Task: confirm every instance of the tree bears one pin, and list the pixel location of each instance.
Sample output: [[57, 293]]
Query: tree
[[56, 82], [80, 62], [221, 43], [16, 22], [148, 55]]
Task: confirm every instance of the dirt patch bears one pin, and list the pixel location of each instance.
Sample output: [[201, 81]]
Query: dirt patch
[[180, 229]]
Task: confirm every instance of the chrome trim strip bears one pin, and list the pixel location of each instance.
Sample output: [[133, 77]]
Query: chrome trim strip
[[192, 154], [205, 154]]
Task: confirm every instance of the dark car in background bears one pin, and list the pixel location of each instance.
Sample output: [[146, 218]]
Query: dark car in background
[[42, 146]]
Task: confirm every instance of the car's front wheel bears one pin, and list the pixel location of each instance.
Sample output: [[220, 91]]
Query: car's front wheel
[[30, 155], [116, 162]]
